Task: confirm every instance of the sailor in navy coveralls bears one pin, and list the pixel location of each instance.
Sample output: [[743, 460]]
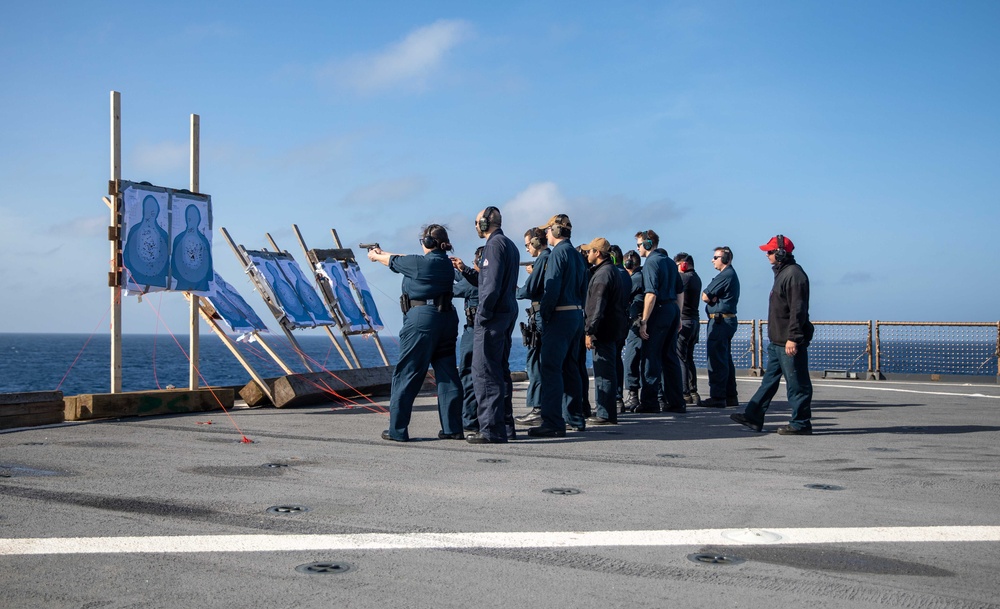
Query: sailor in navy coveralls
[[428, 335]]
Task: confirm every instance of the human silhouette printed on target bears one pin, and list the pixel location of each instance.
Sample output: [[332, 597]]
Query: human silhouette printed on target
[[286, 295], [344, 297], [354, 272], [191, 261], [308, 295], [147, 252]]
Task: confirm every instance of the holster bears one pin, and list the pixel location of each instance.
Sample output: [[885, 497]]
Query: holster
[[470, 316], [530, 332], [404, 303]]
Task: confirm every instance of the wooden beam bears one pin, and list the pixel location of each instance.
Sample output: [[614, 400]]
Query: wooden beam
[[195, 304], [116, 245]]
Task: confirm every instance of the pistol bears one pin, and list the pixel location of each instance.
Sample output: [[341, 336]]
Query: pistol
[[528, 263], [369, 246]]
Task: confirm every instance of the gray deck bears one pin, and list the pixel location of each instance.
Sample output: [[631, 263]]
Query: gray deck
[[411, 519]]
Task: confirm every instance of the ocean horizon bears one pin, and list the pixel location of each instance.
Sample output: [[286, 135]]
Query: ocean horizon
[[80, 363]]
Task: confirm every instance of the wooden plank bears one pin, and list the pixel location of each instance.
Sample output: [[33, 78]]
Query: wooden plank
[[31, 420], [254, 395], [338, 254], [27, 397], [318, 387], [145, 403], [9, 410]]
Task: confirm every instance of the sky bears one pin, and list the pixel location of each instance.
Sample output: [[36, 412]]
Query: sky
[[867, 132]]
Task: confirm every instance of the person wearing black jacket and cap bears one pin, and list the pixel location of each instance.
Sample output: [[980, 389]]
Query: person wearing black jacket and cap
[[790, 331], [604, 325]]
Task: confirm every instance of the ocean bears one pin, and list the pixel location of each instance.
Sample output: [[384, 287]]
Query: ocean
[[78, 363]]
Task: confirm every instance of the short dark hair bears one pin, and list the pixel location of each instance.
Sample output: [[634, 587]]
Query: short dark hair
[[649, 234], [685, 258]]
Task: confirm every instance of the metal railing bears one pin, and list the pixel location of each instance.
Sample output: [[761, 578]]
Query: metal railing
[[959, 348], [842, 346], [872, 349], [744, 346]]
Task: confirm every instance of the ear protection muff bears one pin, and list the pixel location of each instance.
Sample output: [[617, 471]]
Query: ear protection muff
[[727, 255], [429, 241], [630, 261], [479, 256], [780, 254], [537, 239], [561, 231], [646, 241], [486, 219]]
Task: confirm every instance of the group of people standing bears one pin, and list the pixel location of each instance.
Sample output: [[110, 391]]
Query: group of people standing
[[640, 322]]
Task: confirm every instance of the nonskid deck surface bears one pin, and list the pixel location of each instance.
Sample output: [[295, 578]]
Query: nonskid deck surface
[[892, 502]]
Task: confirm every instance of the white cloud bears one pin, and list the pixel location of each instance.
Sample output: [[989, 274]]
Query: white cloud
[[609, 216], [536, 204], [160, 158], [408, 62]]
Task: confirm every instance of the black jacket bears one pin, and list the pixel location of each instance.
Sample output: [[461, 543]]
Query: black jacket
[[607, 304], [692, 294], [788, 307]]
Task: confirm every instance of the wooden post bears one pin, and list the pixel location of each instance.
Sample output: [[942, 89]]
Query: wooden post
[[274, 354], [116, 243], [337, 316], [228, 342], [245, 261], [194, 325]]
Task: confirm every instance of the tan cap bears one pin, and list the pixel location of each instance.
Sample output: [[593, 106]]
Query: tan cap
[[557, 220], [600, 244]]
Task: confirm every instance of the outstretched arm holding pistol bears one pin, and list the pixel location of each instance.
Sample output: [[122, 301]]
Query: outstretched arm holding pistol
[[375, 253]]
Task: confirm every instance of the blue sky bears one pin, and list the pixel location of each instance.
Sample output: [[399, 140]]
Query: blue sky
[[867, 132]]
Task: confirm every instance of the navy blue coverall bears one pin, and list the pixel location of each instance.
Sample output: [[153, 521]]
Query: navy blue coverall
[[427, 338], [632, 359], [495, 321], [661, 368], [620, 347], [465, 289], [565, 284], [724, 293], [532, 291]]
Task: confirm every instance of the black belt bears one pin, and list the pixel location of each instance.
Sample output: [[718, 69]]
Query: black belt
[[437, 300], [722, 315]]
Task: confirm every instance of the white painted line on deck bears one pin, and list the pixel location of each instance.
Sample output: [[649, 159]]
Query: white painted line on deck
[[838, 385], [424, 541], [948, 393]]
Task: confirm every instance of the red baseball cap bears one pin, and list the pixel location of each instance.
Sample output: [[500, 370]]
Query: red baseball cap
[[773, 244]]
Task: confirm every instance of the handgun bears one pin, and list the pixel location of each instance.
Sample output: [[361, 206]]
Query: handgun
[[370, 246]]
